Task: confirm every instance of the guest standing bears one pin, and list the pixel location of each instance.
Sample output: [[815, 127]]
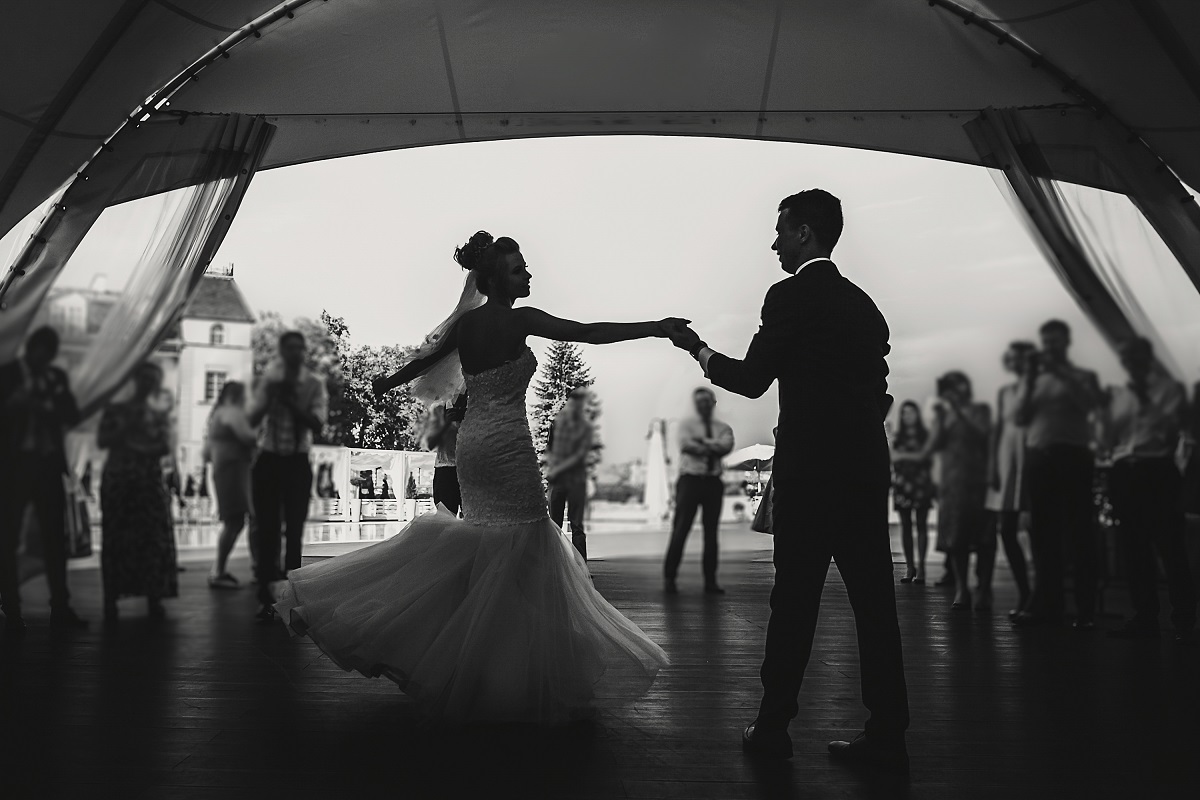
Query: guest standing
[[1008, 494], [36, 409], [442, 437], [1056, 402], [912, 489], [290, 405], [566, 467], [1144, 425], [137, 555], [961, 431], [229, 446], [704, 440]]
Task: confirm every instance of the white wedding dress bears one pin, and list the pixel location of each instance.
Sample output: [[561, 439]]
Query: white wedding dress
[[489, 618]]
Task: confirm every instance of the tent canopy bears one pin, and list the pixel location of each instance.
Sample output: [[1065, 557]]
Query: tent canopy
[[339, 77]]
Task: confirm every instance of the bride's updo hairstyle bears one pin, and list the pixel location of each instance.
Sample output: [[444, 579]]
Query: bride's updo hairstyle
[[482, 255]]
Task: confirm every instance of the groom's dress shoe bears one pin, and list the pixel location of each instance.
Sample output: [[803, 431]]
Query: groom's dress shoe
[[766, 743], [865, 753], [669, 586]]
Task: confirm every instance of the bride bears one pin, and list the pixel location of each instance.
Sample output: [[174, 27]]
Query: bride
[[492, 617]]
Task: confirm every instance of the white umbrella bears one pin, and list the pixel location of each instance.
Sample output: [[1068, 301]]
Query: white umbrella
[[755, 457]]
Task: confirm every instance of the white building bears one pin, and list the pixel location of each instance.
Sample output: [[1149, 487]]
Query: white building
[[208, 348]]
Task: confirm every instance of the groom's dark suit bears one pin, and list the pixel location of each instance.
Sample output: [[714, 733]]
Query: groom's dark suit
[[824, 340]]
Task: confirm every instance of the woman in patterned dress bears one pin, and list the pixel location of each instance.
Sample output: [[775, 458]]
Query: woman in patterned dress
[[137, 556], [1007, 493], [912, 489]]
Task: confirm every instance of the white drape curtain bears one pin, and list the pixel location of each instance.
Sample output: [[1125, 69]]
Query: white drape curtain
[[1118, 254], [200, 167], [157, 289]]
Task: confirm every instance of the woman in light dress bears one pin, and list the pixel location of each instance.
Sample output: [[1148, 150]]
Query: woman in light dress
[[229, 447], [960, 434], [1007, 493], [492, 617]]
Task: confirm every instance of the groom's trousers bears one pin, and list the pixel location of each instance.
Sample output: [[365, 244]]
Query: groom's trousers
[[849, 525]]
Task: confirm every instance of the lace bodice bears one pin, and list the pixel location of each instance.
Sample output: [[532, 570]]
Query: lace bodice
[[497, 465]]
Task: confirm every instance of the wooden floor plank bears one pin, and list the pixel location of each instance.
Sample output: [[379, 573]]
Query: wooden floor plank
[[208, 704]]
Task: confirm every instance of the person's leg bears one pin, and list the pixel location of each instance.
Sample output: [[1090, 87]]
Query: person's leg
[[1081, 516], [557, 503], [268, 502], [906, 542], [50, 504], [710, 518], [960, 559], [1045, 536], [985, 563], [921, 523], [576, 512], [801, 567], [687, 501], [230, 529], [1008, 522], [1125, 488], [15, 486], [296, 498], [1167, 533], [863, 555]]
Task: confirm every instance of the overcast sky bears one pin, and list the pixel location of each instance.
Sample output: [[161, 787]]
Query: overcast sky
[[632, 228]]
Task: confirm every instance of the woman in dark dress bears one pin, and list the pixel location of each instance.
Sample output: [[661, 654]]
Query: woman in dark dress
[[960, 436], [137, 556], [912, 489]]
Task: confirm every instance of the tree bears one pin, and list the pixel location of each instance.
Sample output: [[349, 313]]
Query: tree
[[356, 419], [563, 371]]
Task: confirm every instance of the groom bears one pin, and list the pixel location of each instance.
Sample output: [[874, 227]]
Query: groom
[[824, 340]]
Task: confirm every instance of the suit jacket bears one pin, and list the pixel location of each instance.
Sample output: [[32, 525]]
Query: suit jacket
[[16, 419], [825, 341]]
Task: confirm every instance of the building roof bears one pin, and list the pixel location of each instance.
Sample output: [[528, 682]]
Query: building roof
[[218, 298]]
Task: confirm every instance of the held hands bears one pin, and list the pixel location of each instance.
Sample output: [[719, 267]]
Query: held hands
[[679, 333], [380, 386]]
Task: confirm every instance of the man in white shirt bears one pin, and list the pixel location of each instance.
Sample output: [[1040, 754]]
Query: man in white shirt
[[291, 405], [1144, 428], [566, 466], [704, 440], [1056, 401], [442, 437]]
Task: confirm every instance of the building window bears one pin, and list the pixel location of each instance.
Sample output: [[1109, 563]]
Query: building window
[[216, 334], [214, 382]]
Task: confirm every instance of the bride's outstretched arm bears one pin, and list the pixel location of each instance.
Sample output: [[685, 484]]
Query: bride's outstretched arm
[[536, 322], [384, 384]]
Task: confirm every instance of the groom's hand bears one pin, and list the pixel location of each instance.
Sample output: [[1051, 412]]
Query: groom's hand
[[685, 338], [379, 386]]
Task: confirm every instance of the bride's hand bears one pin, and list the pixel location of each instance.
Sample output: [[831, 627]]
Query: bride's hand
[[672, 326]]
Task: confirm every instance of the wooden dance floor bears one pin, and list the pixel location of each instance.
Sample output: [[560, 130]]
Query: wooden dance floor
[[209, 705]]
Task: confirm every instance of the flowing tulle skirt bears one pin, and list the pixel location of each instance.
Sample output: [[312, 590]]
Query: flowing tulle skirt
[[476, 623]]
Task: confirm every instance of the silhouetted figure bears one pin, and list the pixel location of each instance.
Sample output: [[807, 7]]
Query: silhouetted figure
[[230, 448], [1143, 423], [912, 489], [1056, 401], [960, 435], [1008, 491], [703, 441], [825, 342], [36, 409], [290, 405], [566, 466], [137, 555], [442, 438]]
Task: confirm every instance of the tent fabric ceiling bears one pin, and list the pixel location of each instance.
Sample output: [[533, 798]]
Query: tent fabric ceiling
[[340, 77], [107, 57]]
